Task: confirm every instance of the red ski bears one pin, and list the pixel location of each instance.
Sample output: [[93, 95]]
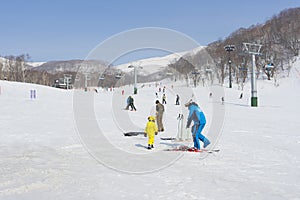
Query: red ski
[[192, 149]]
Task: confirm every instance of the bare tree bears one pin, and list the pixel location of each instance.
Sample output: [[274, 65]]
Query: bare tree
[[10, 63]]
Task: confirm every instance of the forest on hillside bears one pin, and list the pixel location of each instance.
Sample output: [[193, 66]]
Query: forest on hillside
[[278, 39]]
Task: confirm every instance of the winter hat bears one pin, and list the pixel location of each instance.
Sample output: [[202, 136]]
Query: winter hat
[[187, 104], [156, 102], [151, 118]]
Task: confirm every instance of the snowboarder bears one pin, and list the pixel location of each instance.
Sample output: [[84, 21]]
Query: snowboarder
[[164, 99], [177, 99], [151, 130], [159, 115], [197, 116]]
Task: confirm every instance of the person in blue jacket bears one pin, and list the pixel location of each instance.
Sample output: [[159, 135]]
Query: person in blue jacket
[[197, 116]]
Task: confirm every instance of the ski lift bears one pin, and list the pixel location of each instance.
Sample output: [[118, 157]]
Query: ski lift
[[119, 76]]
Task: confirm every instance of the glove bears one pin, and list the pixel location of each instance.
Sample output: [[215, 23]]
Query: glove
[[156, 133], [145, 135]]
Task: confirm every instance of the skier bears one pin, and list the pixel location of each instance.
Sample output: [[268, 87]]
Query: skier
[[177, 99], [151, 130], [164, 99], [128, 103], [131, 104], [197, 116], [159, 115]]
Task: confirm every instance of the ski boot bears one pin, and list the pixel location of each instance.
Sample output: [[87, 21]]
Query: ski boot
[[206, 142]]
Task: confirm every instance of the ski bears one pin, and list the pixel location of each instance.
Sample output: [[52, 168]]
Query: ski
[[192, 149], [168, 138], [174, 139]]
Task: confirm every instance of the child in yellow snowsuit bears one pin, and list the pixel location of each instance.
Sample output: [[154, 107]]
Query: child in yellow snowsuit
[[151, 130]]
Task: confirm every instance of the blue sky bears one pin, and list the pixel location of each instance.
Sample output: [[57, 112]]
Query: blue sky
[[68, 29]]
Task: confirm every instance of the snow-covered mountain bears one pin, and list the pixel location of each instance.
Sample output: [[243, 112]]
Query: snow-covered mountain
[[35, 64], [154, 65], [146, 67]]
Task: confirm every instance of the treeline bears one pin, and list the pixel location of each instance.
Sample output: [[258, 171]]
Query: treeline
[[14, 68], [280, 40]]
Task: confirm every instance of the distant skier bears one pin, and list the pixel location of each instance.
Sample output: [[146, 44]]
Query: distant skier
[[197, 116], [164, 99], [131, 104], [151, 130], [222, 99], [241, 96], [128, 103], [177, 99], [159, 115]]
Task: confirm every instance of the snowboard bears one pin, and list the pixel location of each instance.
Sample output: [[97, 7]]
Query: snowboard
[[192, 149], [134, 133]]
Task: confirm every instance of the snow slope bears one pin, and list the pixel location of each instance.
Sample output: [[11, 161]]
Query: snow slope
[[35, 64], [156, 64], [45, 154]]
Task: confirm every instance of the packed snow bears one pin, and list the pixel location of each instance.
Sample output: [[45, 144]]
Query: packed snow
[[50, 147]]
